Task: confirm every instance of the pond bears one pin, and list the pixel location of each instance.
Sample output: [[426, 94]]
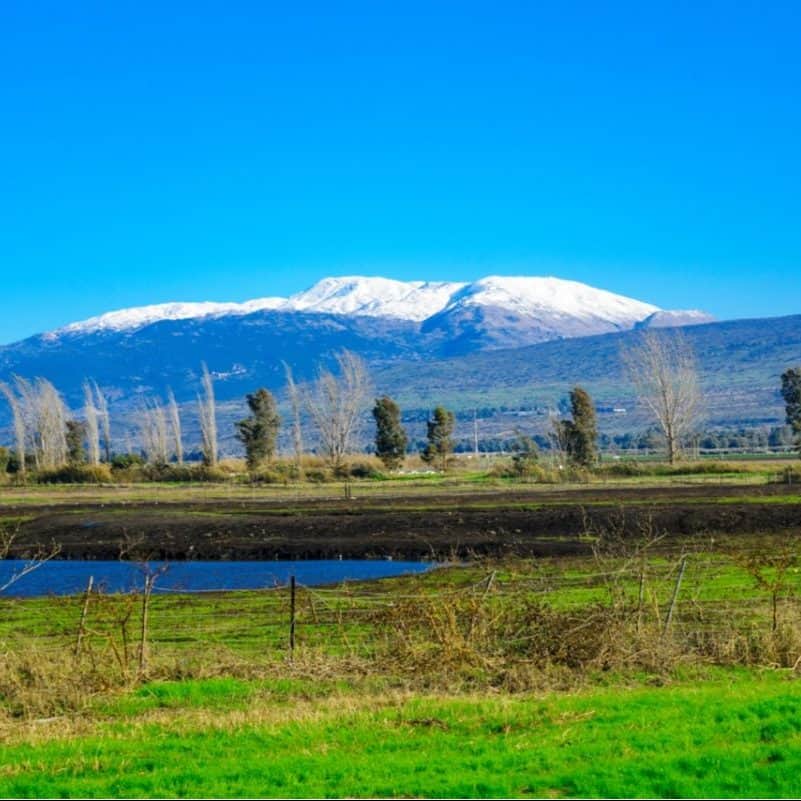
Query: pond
[[66, 577]]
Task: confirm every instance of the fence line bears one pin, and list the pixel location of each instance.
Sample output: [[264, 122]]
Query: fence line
[[684, 592]]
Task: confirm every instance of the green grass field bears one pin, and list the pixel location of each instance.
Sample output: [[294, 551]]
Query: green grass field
[[731, 734], [473, 713]]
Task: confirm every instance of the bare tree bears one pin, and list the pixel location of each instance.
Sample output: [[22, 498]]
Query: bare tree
[[335, 404], [556, 434], [19, 423], [52, 419], [27, 399], [662, 368], [295, 404], [40, 421], [92, 425], [43, 417], [174, 416], [33, 562], [207, 410], [154, 432], [105, 420]]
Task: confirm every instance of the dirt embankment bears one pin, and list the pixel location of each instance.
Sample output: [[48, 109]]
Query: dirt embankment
[[412, 527]]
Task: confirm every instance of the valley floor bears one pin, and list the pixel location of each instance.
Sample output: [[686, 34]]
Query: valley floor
[[433, 518], [648, 660]]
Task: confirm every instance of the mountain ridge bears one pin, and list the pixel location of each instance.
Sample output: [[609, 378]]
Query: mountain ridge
[[568, 307]]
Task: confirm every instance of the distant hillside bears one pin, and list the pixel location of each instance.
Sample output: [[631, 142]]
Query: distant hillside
[[740, 363]]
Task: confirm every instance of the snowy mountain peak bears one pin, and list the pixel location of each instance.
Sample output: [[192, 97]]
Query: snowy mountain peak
[[557, 306], [375, 297], [531, 295]]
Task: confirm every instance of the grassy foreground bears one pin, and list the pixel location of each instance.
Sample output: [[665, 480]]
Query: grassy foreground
[[733, 733], [652, 667]]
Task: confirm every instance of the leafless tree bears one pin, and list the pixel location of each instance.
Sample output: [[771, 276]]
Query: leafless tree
[[207, 410], [105, 420], [174, 416], [154, 432], [295, 403], [44, 419], [28, 404], [52, 425], [662, 368], [92, 425], [41, 555], [336, 402], [18, 422], [40, 419], [557, 439]]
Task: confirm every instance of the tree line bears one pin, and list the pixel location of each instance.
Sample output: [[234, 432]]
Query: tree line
[[47, 437]]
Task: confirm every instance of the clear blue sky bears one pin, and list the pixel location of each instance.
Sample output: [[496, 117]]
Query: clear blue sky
[[190, 151]]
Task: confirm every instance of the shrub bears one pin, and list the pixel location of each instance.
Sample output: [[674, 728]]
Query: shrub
[[623, 469], [183, 473], [76, 474], [278, 473], [533, 472], [122, 461], [318, 476], [365, 470]]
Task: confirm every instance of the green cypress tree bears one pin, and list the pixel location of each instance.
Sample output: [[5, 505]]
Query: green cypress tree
[[259, 431], [440, 443], [791, 392], [579, 436], [390, 436], [582, 431], [76, 431]]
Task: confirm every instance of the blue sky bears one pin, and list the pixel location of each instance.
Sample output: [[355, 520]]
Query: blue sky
[[191, 151]]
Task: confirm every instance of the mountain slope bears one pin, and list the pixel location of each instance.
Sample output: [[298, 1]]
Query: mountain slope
[[739, 362]]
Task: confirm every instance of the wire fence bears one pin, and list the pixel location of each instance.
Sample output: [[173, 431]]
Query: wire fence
[[689, 595]]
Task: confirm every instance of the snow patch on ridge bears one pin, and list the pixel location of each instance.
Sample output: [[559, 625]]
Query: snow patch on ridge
[[531, 297], [141, 316]]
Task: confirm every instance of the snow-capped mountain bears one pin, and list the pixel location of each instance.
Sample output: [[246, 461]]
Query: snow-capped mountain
[[140, 351], [550, 307], [375, 297]]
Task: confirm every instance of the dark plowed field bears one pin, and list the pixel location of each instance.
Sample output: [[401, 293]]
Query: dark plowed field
[[413, 526]]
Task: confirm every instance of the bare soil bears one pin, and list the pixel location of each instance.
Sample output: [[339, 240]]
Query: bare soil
[[518, 521]]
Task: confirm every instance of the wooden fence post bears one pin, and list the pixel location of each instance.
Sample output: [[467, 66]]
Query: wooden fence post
[[84, 613], [669, 618], [641, 597], [149, 581], [292, 591]]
